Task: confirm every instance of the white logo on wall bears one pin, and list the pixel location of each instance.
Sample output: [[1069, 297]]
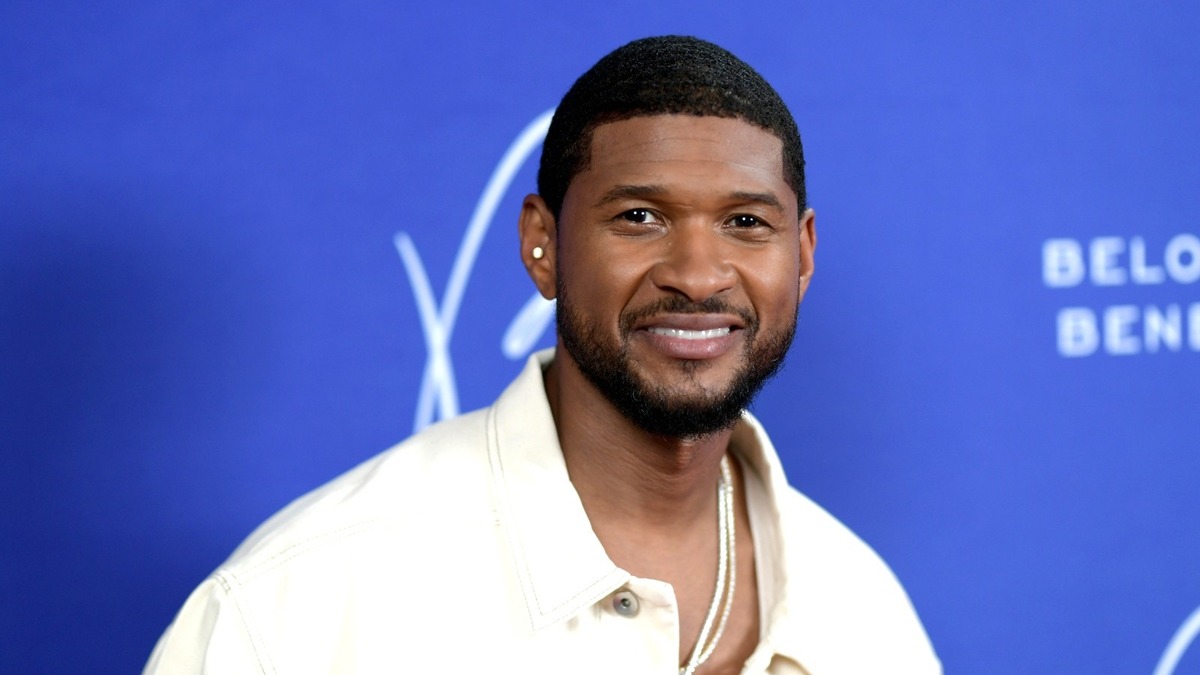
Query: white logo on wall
[[437, 398], [1115, 262], [1184, 637]]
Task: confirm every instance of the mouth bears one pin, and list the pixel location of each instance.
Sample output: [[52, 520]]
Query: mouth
[[692, 337], [686, 334]]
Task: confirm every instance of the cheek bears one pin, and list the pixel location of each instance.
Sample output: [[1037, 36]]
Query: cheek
[[600, 278], [614, 268], [773, 287]]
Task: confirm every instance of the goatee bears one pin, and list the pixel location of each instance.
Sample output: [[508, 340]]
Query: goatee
[[655, 407]]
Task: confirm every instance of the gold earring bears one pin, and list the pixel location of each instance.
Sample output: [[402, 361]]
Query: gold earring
[[538, 252]]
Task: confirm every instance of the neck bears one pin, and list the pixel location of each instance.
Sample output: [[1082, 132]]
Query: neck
[[626, 476]]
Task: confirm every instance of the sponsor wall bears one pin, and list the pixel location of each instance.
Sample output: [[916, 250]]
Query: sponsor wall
[[245, 246]]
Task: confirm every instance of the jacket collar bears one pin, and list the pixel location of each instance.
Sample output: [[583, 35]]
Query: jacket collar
[[561, 564], [766, 490]]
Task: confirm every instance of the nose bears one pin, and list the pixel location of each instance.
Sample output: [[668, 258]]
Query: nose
[[695, 263]]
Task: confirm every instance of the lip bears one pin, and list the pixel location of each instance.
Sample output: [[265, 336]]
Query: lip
[[691, 336], [691, 321]]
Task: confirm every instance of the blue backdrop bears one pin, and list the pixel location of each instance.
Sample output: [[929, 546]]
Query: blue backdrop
[[230, 233]]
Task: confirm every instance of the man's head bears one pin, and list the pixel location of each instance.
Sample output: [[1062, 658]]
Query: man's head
[[672, 230], [657, 76]]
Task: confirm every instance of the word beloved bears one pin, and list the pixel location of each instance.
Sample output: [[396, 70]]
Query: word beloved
[[1113, 262]]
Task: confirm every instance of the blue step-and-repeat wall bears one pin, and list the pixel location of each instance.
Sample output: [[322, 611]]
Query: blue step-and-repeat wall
[[246, 245]]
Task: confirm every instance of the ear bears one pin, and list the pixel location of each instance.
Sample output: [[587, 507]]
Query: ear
[[808, 244], [537, 228]]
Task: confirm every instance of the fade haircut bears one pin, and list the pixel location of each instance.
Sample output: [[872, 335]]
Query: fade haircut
[[661, 76]]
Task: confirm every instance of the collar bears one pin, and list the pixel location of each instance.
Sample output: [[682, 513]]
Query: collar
[[562, 566], [766, 490]]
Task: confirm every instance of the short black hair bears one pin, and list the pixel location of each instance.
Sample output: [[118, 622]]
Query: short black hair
[[665, 75]]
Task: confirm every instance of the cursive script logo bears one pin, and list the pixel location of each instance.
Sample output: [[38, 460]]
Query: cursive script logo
[[1179, 644], [438, 395]]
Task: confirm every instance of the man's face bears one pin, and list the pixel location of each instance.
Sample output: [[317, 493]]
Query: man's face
[[681, 262]]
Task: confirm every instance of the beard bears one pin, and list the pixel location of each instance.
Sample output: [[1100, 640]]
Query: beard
[[655, 407]]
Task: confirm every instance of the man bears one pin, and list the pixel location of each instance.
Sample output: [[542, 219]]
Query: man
[[616, 510]]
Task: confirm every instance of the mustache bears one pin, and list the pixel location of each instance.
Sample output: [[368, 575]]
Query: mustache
[[677, 304]]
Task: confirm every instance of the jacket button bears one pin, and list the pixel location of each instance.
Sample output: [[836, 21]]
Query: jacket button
[[625, 603]]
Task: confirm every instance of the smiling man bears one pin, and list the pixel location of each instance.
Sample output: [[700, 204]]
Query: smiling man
[[616, 508]]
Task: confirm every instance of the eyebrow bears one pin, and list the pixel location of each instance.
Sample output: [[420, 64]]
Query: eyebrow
[[765, 198], [620, 192]]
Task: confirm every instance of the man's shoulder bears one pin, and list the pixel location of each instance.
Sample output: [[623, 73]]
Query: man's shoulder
[[818, 540], [339, 574], [825, 561], [433, 477], [847, 595]]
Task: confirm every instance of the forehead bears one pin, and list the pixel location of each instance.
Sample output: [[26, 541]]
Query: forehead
[[669, 149]]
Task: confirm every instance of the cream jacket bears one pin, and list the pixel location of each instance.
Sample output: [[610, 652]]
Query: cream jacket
[[465, 550]]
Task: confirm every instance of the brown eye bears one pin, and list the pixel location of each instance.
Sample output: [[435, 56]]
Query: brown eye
[[746, 221], [637, 216]]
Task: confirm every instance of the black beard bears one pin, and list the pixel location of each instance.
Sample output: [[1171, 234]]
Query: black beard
[[653, 408]]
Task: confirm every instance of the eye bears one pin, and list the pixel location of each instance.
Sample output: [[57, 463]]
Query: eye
[[641, 216], [747, 220]]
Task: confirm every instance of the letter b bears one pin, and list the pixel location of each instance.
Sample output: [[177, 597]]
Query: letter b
[[1062, 263], [1078, 334]]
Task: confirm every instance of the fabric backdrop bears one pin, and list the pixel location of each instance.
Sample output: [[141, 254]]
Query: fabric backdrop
[[246, 245]]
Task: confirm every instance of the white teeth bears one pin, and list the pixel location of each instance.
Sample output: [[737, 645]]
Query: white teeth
[[691, 334]]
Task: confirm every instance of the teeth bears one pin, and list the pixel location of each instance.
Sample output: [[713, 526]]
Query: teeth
[[691, 334]]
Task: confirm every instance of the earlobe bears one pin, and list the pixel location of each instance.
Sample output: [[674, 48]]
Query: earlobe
[[536, 232], [808, 245]]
